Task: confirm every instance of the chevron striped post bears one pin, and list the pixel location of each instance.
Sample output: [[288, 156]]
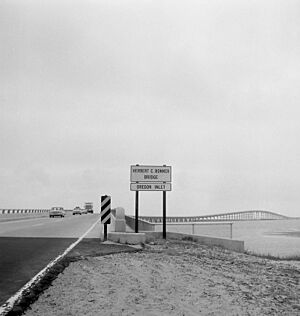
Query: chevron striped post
[[105, 213]]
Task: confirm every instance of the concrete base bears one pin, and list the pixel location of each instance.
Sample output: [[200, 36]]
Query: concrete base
[[127, 238], [120, 213], [120, 225]]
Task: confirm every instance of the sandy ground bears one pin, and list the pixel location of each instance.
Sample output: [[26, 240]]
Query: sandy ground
[[173, 278]]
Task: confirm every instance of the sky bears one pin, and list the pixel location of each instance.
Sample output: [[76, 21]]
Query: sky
[[208, 87]]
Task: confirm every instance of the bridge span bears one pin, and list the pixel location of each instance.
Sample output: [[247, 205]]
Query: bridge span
[[231, 216]]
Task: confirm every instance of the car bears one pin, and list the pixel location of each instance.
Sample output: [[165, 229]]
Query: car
[[57, 211], [77, 211]]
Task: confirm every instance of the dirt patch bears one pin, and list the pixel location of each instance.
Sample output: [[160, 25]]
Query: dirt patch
[[173, 278]]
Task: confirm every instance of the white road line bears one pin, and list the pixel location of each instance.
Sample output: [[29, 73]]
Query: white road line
[[8, 305]]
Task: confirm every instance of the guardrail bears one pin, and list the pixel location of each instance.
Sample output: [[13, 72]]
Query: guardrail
[[213, 228], [22, 211]]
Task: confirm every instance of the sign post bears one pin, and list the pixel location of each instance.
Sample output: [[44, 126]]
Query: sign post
[[164, 215], [105, 213], [137, 211], [150, 178]]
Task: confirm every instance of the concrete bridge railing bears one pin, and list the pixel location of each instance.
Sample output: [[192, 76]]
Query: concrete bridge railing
[[143, 225], [22, 211], [130, 222]]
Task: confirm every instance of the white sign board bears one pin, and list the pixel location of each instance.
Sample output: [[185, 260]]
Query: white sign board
[[150, 173], [150, 186]]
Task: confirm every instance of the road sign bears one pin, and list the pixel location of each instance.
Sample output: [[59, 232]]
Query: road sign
[[150, 173], [105, 209], [150, 178], [150, 186]]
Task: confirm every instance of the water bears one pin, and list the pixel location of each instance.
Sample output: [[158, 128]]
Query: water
[[273, 237], [262, 236]]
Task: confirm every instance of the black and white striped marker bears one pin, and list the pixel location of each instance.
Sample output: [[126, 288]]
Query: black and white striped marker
[[105, 213], [105, 209]]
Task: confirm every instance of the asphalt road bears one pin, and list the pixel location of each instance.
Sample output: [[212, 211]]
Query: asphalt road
[[28, 245]]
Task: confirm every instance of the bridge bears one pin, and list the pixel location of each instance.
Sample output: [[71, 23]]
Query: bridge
[[231, 216]]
